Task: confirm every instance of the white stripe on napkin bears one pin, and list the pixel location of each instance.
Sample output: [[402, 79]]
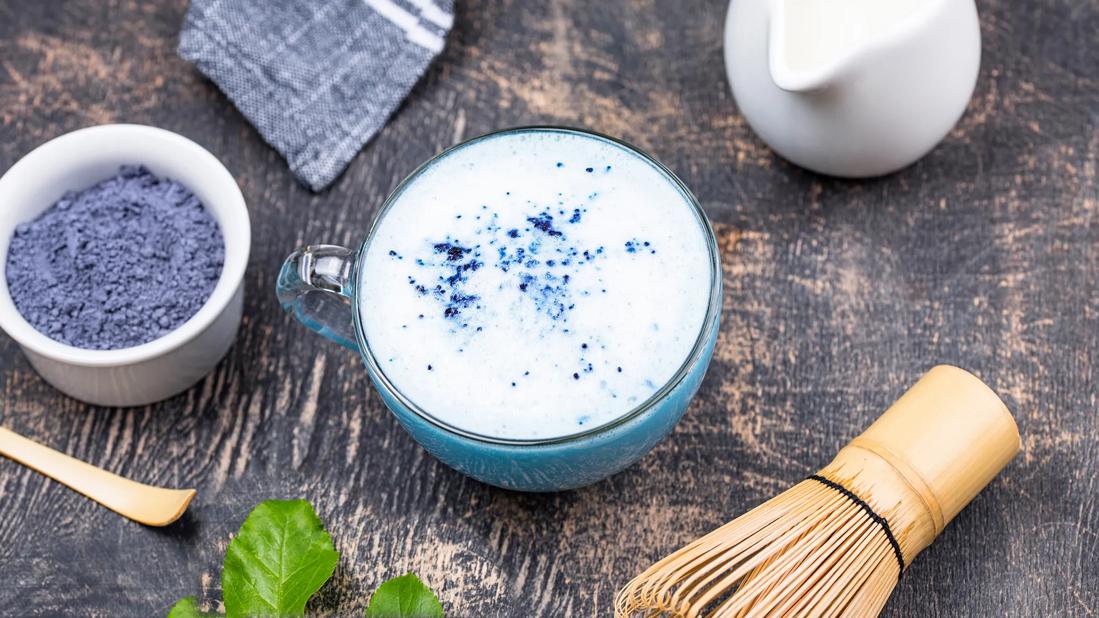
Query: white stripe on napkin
[[409, 23], [433, 14]]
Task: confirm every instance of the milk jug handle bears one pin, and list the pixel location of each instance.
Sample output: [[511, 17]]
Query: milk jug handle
[[315, 286]]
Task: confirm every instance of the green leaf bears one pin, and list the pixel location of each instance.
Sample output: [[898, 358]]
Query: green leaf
[[404, 597], [281, 557], [187, 607]]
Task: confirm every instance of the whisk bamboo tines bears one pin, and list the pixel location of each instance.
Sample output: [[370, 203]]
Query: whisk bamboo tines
[[836, 543]]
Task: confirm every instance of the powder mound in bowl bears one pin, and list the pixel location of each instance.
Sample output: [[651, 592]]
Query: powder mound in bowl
[[118, 264]]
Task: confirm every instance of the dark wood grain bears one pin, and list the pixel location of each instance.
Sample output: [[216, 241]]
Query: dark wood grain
[[838, 295]]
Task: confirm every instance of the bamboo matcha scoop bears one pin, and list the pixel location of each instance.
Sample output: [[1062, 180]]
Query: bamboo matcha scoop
[[836, 543], [145, 504]]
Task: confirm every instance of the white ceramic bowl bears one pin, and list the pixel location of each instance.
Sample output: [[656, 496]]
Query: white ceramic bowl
[[163, 367]]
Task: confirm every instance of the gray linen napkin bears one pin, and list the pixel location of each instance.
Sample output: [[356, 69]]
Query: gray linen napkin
[[317, 78]]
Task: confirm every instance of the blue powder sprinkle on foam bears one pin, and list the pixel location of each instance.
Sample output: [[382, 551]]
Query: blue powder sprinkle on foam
[[452, 263]]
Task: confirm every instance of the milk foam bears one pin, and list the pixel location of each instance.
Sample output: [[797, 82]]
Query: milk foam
[[535, 285]]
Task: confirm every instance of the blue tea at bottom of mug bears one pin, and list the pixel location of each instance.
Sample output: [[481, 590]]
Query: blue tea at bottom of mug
[[316, 284], [560, 464]]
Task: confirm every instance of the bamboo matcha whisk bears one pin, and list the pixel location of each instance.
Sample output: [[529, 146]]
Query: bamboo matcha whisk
[[836, 543]]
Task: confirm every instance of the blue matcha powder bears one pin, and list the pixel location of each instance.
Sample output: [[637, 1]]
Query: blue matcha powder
[[116, 265]]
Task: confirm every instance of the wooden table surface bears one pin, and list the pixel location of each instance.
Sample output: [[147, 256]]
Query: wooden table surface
[[838, 296]]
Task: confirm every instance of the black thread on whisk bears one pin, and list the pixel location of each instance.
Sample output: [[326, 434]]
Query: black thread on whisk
[[871, 514]]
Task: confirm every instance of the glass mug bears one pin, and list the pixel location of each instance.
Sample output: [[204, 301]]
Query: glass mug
[[317, 285]]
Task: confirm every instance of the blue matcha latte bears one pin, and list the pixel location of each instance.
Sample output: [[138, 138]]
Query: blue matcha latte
[[117, 264], [534, 285]]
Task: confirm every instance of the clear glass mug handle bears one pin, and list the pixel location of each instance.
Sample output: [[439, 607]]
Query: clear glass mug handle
[[315, 287]]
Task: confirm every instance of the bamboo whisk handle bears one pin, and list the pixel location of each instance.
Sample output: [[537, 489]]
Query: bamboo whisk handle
[[948, 436], [929, 454]]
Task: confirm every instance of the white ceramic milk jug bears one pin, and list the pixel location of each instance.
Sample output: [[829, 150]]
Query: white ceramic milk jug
[[852, 87]]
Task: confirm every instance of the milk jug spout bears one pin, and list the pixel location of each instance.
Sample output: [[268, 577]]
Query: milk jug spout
[[813, 43], [788, 55], [852, 88]]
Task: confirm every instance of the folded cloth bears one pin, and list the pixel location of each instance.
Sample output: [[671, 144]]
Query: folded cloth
[[318, 79]]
